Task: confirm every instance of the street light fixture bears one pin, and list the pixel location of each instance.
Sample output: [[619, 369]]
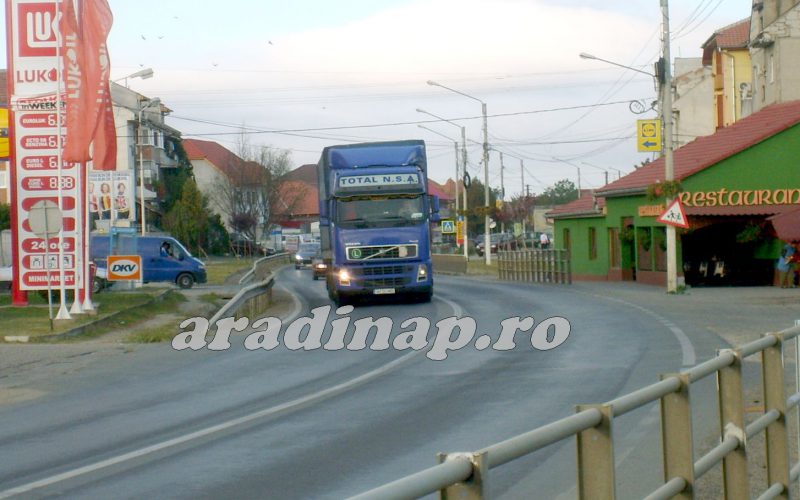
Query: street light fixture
[[144, 74], [487, 239], [142, 107]]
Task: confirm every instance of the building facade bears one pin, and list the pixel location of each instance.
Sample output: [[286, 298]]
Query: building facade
[[732, 183]]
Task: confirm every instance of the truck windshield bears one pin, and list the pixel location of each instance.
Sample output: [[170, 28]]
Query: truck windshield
[[379, 211]]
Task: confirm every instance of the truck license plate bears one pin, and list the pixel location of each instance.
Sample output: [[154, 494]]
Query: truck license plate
[[383, 291]]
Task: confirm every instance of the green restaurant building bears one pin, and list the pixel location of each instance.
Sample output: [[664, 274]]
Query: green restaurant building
[[732, 184]]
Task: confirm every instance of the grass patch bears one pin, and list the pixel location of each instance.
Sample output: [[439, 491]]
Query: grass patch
[[162, 333], [210, 298], [34, 320], [479, 267], [220, 268]]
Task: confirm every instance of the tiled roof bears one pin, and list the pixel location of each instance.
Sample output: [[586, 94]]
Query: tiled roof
[[587, 204], [299, 199], [305, 173], [235, 168], [706, 151], [733, 36]]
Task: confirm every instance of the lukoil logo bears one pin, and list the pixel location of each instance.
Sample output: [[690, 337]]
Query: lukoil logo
[[38, 25]]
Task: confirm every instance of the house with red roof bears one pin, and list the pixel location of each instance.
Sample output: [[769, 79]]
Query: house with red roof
[[732, 184], [234, 187]]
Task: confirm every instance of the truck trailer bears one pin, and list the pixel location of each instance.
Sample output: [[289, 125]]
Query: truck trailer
[[375, 215]]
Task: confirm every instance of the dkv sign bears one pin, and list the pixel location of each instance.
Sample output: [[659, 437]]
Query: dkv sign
[[124, 268]]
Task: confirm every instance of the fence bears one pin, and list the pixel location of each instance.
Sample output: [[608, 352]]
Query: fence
[[537, 266], [464, 475]]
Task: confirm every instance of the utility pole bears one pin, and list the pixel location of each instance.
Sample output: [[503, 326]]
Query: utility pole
[[502, 192], [487, 241], [524, 201], [669, 174]]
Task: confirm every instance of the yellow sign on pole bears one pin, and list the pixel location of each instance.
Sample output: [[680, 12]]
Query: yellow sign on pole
[[3, 134], [648, 135], [460, 232]]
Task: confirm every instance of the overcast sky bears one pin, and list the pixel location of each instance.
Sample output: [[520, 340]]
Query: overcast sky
[[328, 72]]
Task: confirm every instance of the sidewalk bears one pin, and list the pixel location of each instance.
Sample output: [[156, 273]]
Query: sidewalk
[[736, 314]]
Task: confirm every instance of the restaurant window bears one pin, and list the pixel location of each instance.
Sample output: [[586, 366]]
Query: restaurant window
[[592, 243]]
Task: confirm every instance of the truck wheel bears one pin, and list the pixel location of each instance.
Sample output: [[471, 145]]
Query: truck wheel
[[185, 281], [426, 297]]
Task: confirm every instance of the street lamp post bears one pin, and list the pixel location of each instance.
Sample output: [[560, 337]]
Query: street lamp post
[[142, 107], [463, 173], [665, 112], [487, 239], [455, 145]]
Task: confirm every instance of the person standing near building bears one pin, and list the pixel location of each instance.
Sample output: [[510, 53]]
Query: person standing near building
[[786, 264], [544, 241]]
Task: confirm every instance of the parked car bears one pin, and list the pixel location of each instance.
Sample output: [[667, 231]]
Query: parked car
[[163, 259], [505, 241], [304, 254], [318, 266]]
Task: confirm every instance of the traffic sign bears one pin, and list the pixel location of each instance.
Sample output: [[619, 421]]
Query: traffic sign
[[448, 226], [648, 134], [675, 215]]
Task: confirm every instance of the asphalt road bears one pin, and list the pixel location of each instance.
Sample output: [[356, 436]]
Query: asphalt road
[[161, 423]]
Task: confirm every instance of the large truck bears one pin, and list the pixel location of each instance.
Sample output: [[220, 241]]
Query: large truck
[[374, 219]]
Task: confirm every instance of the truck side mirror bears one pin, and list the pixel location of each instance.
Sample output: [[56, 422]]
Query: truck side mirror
[[434, 203]]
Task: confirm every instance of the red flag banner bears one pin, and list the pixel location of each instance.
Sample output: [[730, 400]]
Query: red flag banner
[[90, 116], [96, 21], [79, 129]]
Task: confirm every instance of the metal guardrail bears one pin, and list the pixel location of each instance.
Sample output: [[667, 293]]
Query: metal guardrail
[[535, 266], [253, 299], [263, 266], [464, 475]]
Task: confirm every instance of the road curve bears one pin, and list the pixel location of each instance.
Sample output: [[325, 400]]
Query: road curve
[[328, 424]]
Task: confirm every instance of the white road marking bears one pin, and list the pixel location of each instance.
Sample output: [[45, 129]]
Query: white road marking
[[274, 411]]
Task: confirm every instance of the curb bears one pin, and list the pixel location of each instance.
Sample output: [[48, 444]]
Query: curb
[[85, 328]]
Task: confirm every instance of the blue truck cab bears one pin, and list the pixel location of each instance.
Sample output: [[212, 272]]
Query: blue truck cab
[[164, 258], [375, 216]]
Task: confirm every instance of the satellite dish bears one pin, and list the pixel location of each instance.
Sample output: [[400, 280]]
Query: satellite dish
[[492, 225]]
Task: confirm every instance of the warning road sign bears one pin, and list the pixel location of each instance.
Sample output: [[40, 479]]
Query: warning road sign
[[675, 215], [648, 134]]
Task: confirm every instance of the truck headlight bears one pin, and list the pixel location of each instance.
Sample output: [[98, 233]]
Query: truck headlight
[[344, 277], [297, 257], [422, 272]]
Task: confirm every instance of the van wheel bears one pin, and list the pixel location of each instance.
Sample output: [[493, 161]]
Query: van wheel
[[185, 280], [98, 285]]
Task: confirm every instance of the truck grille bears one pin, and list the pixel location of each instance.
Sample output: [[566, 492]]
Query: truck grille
[[381, 270], [386, 282], [408, 251]]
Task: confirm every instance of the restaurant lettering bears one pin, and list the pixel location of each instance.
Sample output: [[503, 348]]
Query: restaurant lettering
[[737, 198]]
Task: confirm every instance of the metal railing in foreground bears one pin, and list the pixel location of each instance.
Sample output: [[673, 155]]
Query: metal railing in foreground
[[463, 475]]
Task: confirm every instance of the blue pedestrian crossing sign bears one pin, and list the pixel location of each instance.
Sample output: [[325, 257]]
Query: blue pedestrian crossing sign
[[448, 226]]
